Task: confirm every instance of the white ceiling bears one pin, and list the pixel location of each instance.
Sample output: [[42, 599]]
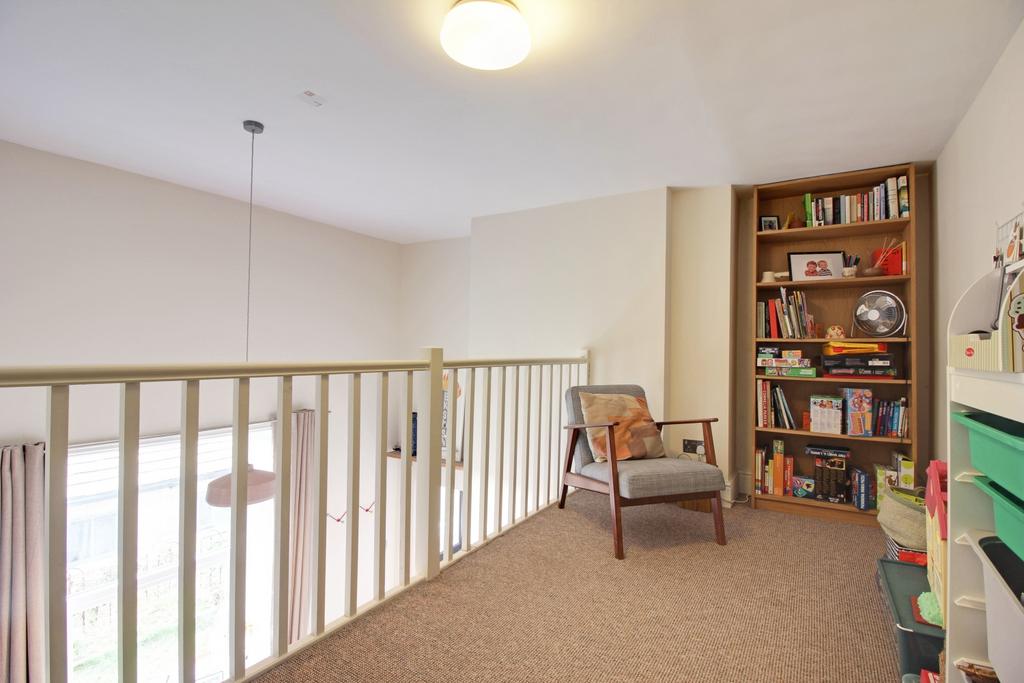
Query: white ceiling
[[617, 96]]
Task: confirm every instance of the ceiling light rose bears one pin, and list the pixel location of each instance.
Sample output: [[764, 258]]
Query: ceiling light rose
[[485, 34]]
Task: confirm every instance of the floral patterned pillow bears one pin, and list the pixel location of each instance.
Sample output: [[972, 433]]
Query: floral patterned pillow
[[636, 435]]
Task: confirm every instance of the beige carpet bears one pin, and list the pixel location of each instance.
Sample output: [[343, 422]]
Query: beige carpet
[[789, 599]]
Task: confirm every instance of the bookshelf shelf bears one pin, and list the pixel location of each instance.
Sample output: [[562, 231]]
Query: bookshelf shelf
[[835, 231], [816, 508], [832, 437], [837, 380], [822, 340], [827, 302], [839, 282]]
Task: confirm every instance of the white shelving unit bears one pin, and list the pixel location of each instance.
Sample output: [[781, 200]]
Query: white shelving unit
[[970, 510]]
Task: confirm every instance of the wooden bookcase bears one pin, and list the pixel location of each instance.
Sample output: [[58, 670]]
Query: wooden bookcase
[[831, 302]]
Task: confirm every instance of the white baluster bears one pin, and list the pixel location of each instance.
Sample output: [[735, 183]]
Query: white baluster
[[282, 513], [239, 485], [352, 495], [380, 481], [467, 463], [128, 533], [405, 486], [187, 486], [319, 582]]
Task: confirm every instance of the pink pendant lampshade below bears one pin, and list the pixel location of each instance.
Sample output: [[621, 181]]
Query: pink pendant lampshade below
[[259, 487]]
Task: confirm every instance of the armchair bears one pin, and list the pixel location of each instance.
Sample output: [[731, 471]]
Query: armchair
[[638, 482]]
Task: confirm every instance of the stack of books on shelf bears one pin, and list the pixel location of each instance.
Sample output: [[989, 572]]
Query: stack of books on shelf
[[853, 359], [887, 200], [786, 317], [787, 363], [772, 407]]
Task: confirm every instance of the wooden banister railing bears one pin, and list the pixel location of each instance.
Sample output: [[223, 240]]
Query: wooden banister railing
[[503, 400]]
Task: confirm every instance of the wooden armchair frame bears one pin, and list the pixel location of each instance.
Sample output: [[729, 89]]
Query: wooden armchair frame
[[611, 488]]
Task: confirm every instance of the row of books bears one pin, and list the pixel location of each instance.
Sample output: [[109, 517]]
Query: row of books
[[857, 413], [786, 317], [775, 473], [834, 479], [891, 418], [772, 407], [887, 200]]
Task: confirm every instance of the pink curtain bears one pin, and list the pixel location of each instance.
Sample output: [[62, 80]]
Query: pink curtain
[[303, 530], [22, 558]]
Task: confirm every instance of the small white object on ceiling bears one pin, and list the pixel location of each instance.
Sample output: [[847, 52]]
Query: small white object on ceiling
[[312, 99]]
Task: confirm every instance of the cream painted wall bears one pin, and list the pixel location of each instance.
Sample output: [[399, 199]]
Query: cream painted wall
[[701, 256], [979, 184], [588, 274], [103, 266], [434, 296]]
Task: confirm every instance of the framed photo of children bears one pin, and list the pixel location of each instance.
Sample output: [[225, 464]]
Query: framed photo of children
[[815, 265]]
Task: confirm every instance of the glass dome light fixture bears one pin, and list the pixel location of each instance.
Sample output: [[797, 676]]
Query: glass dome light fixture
[[485, 34]]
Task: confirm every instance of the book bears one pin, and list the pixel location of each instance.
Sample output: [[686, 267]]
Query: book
[[787, 475], [831, 480], [892, 198], [763, 362], [903, 194], [857, 411], [791, 372], [904, 467], [803, 487], [778, 474], [827, 414], [808, 210], [759, 454]]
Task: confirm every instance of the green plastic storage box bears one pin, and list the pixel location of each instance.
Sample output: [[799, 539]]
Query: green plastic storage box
[[997, 448], [1009, 514]]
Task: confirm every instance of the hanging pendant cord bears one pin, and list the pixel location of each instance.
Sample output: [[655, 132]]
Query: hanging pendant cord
[[248, 277]]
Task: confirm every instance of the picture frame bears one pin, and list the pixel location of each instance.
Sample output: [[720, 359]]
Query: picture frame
[[807, 266], [769, 223]]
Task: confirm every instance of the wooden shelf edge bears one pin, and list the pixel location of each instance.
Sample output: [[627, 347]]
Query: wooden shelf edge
[[837, 380], [834, 437], [833, 231], [844, 512], [822, 340], [837, 282]]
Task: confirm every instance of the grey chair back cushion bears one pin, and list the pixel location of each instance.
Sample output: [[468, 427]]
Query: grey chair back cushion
[[583, 456]]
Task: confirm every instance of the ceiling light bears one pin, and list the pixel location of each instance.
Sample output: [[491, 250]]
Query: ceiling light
[[485, 34]]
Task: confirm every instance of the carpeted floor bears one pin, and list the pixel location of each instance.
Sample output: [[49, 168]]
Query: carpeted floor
[[789, 599]]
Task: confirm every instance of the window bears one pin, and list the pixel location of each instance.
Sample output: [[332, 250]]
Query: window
[[92, 559]]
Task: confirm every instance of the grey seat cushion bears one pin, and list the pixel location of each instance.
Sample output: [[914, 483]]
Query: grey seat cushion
[[659, 477]]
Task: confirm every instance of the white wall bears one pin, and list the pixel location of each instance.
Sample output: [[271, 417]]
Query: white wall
[[103, 266], [588, 274], [701, 257], [979, 184], [434, 296]]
